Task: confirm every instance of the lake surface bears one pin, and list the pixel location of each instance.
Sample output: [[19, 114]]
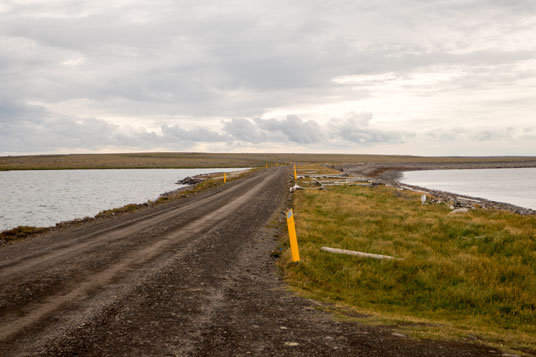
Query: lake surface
[[514, 186], [44, 198]]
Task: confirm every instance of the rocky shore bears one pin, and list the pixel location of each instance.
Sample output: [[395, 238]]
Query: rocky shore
[[390, 174]]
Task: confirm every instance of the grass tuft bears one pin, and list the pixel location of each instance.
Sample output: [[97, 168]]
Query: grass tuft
[[113, 211], [20, 232]]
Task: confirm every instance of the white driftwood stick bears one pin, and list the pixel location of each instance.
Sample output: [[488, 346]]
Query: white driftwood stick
[[359, 254]]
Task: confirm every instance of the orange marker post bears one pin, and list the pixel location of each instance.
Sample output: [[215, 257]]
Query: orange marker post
[[266, 165], [292, 236], [224, 177]]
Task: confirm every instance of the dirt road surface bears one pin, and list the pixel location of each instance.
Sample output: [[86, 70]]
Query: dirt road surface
[[190, 278]]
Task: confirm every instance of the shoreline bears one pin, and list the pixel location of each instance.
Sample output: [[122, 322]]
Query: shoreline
[[25, 231], [387, 170], [391, 174], [186, 190], [457, 200]]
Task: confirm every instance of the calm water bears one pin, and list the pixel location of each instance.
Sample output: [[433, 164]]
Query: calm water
[[514, 186], [43, 198]]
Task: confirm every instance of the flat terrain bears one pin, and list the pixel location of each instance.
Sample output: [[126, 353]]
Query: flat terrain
[[464, 275], [191, 277], [194, 160]]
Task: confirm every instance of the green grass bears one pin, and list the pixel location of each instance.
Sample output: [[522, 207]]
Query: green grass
[[473, 272]]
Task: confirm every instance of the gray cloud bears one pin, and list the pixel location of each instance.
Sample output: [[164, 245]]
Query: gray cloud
[[225, 67], [52, 134], [175, 133], [355, 128], [471, 134], [41, 131], [13, 112], [293, 128], [352, 129], [49, 133], [244, 130]]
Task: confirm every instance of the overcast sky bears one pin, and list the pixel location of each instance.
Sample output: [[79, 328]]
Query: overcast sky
[[423, 77]]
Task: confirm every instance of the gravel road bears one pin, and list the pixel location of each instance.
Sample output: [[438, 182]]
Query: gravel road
[[190, 278]]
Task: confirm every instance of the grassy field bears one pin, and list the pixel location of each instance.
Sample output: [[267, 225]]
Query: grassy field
[[467, 275], [199, 160]]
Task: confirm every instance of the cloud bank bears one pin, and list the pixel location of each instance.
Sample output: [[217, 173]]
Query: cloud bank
[[410, 77]]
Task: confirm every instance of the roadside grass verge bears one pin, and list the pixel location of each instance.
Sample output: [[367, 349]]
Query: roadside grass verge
[[462, 275], [215, 180], [20, 232], [316, 169]]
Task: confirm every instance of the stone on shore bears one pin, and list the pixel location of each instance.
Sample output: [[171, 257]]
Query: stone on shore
[[189, 181], [459, 210]]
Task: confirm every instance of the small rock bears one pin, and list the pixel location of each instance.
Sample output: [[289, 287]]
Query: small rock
[[283, 328], [189, 181], [509, 355], [396, 334], [291, 344], [459, 210], [295, 187]]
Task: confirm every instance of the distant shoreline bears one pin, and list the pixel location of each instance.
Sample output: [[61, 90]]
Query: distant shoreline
[[391, 174], [392, 171], [180, 160]]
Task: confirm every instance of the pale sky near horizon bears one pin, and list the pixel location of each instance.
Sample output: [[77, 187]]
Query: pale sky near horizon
[[449, 77]]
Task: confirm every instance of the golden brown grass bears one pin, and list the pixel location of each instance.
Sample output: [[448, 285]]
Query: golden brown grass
[[208, 160], [20, 232], [317, 169]]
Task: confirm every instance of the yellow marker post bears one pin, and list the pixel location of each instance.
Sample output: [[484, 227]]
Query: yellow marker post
[[266, 165], [292, 236], [276, 164], [224, 177], [295, 176]]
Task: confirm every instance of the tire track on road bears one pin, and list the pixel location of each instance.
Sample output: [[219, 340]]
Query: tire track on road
[[10, 270], [137, 258]]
